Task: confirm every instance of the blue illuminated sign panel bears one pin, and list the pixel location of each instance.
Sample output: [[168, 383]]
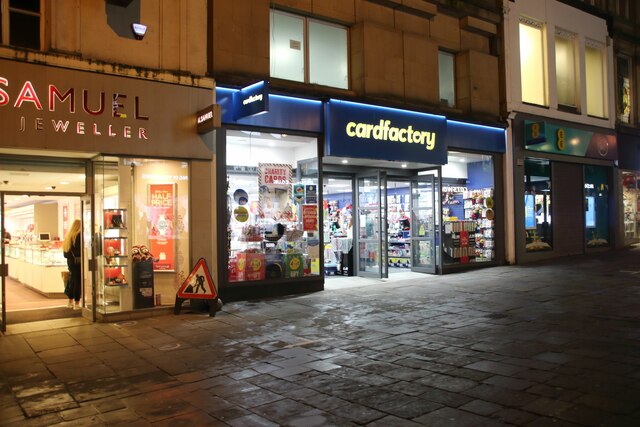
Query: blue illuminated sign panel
[[373, 132], [251, 100]]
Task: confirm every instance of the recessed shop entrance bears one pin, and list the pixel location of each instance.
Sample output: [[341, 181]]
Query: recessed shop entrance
[[39, 201], [34, 229]]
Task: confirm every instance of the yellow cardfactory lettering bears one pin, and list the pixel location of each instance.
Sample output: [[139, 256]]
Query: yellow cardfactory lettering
[[385, 132]]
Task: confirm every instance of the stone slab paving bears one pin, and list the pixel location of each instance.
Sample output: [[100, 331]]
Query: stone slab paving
[[555, 343]]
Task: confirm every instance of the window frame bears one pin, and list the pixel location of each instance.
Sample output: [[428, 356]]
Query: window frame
[[571, 38], [454, 79], [5, 23], [618, 89], [306, 56], [600, 47], [524, 21]]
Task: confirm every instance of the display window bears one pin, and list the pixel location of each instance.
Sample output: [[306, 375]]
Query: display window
[[273, 206], [596, 206], [468, 209], [141, 238], [338, 225], [631, 206], [537, 205]]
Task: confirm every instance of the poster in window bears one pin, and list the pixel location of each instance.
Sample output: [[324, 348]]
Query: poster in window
[[529, 212], [162, 199], [310, 217], [590, 214], [275, 183], [312, 193]]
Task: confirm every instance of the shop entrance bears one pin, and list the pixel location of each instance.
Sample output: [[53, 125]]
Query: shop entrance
[[34, 267], [388, 226], [39, 200]]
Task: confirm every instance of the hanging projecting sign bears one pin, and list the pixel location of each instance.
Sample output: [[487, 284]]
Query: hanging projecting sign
[[550, 138], [372, 132], [251, 100], [208, 119]]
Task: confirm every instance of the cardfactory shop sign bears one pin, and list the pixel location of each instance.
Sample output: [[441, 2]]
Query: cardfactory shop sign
[[385, 132], [54, 108], [373, 132]]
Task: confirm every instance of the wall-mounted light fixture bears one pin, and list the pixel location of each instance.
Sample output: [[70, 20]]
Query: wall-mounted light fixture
[[139, 30]]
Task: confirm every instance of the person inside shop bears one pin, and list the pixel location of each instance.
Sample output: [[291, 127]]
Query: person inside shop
[[71, 249]]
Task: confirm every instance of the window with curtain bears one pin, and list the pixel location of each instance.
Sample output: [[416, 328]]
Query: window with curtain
[[595, 75], [565, 69], [532, 63]]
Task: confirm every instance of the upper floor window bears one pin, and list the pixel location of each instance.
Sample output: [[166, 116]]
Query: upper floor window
[[532, 62], [447, 77], [566, 68], [623, 89], [307, 50], [595, 74], [20, 23]]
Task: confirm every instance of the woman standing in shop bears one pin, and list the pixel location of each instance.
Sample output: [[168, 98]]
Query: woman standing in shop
[[71, 248]]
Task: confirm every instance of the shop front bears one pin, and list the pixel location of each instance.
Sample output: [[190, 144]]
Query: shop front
[[564, 188], [408, 191], [268, 174], [629, 170], [108, 151]]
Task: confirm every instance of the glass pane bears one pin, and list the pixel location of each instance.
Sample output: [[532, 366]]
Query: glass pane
[[533, 76], [631, 205], [338, 223], [87, 253], [595, 76], [51, 176], [624, 89], [24, 30], [468, 208], [596, 216], [287, 46], [272, 203], [328, 55], [447, 76], [537, 205], [565, 71], [369, 225], [30, 5], [422, 218], [6, 240]]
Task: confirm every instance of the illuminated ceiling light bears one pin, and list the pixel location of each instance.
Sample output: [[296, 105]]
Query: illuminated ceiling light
[[345, 161], [404, 165], [64, 182]]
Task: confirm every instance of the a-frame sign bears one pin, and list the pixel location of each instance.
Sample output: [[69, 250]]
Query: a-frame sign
[[199, 285]]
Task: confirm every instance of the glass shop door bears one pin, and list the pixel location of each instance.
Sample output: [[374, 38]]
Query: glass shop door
[[371, 225]]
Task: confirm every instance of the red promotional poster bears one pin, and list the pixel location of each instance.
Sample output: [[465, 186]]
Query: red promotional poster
[[310, 217], [161, 217]]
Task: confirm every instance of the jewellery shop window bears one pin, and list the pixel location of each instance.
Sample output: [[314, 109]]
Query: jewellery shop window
[[141, 238], [272, 202], [468, 209]]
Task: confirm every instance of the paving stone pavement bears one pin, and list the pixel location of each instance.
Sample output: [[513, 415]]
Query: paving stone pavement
[[555, 343]]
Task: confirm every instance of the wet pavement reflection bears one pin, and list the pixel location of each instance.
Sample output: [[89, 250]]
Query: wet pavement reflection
[[555, 343]]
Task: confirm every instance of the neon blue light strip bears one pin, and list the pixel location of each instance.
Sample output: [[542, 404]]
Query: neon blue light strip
[[378, 107]]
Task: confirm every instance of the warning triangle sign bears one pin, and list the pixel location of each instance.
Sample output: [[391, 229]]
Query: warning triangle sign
[[199, 283]]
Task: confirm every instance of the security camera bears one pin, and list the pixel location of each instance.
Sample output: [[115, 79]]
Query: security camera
[[5, 182], [53, 187], [139, 30]]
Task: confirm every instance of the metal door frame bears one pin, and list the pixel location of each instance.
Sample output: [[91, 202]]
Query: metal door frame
[[383, 268], [3, 270], [436, 238]]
